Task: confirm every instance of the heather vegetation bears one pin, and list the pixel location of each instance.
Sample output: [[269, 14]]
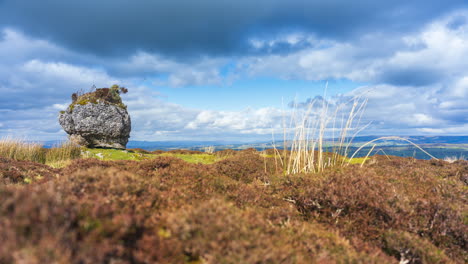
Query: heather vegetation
[[104, 95], [233, 207]]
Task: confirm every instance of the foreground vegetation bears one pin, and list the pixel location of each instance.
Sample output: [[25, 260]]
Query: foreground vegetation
[[231, 207]]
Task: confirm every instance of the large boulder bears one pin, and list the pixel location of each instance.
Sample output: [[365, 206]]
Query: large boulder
[[94, 121]]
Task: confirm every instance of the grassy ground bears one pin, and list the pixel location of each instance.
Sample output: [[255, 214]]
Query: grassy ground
[[196, 157], [114, 154]]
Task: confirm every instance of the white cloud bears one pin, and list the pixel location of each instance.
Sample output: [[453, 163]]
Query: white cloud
[[16, 47], [171, 73], [34, 74], [58, 72], [247, 120], [451, 130], [31, 124], [59, 106], [413, 110], [460, 88], [436, 49]]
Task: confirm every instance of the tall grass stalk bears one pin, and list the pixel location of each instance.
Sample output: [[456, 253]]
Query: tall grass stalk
[[21, 150], [308, 150], [392, 138], [367, 156], [58, 155], [209, 149], [453, 159], [61, 153]]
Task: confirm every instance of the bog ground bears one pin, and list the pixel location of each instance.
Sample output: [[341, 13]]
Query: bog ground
[[232, 207]]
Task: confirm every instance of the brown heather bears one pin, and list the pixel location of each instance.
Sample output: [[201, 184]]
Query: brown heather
[[238, 210], [23, 172]]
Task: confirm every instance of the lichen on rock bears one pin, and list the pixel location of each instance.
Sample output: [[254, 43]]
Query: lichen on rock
[[98, 119]]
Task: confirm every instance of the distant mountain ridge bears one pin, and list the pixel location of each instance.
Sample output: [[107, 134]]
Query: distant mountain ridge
[[439, 146], [421, 139], [189, 144]]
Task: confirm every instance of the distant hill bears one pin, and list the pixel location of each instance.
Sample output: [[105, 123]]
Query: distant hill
[[421, 139], [166, 145], [438, 146]]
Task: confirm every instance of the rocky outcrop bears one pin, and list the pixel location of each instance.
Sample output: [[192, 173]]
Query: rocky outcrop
[[94, 122]]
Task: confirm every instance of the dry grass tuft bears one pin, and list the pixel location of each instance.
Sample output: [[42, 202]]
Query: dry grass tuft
[[308, 151], [57, 156], [21, 150]]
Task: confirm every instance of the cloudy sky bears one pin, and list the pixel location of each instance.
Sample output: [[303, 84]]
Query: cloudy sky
[[229, 70]]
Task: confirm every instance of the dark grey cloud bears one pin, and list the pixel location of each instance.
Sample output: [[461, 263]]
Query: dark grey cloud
[[212, 27]]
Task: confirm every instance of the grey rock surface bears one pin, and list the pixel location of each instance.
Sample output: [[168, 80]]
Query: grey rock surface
[[97, 125]]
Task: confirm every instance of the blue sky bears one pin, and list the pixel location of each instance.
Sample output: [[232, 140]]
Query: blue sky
[[227, 70], [253, 93]]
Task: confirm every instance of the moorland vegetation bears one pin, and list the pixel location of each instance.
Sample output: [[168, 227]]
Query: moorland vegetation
[[230, 207]]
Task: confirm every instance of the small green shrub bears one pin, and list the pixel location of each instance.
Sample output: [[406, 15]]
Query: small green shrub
[[105, 95]]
